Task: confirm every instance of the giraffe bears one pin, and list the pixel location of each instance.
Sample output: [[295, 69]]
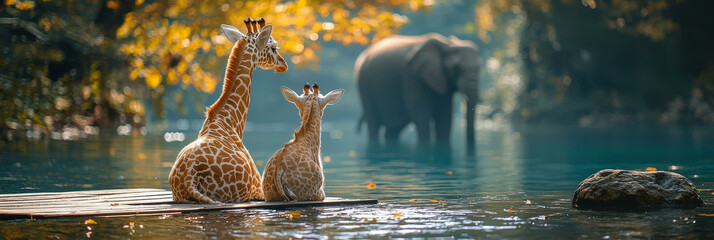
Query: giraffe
[[217, 167], [294, 173]]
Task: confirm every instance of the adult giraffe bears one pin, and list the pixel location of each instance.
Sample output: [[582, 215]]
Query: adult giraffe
[[217, 167]]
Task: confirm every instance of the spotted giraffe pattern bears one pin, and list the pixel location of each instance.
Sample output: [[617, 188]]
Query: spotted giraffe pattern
[[294, 173], [217, 167]]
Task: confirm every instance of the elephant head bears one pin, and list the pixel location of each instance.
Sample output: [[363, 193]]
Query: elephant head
[[447, 66]]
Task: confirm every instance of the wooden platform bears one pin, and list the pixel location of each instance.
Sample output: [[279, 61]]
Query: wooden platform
[[118, 202]]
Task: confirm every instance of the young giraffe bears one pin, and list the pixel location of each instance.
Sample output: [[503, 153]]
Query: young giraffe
[[217, 167], [294, 173]]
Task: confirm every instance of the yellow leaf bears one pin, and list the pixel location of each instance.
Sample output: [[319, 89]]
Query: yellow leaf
[[25, 5], [448, 173], [114, 5], [650, 169], [371, 186], [397, 215], [89, 222], [153, 78], [293, 214], [435, 201], [413, 200], [131, 224], [142, 156], [114, 204]]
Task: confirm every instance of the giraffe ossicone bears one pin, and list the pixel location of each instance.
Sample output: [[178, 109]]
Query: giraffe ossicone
[[294, 173], [217, 167]]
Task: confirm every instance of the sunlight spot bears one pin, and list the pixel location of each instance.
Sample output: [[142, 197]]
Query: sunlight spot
[[528, 201], [328, 26], [314, 36], [673, 167], [174, 137], [299, 48], [336, 134]]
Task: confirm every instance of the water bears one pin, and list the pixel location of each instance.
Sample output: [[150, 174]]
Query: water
[[519, 184]]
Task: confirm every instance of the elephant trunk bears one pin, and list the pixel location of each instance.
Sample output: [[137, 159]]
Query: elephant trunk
[[470, 124]]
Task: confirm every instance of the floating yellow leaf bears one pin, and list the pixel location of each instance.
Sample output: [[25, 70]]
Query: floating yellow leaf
[[413, 200], [371, 186], [293, 214], [448, 172], [442, 202], [327, 159], [374, 219], [131, 224], [509, 210], [706, 214], [650, 169], [397, 215], [115, 204], [435, 201], [89, 222]]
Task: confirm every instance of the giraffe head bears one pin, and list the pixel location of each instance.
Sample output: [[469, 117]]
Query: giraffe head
[[264, 47], [311, 101]]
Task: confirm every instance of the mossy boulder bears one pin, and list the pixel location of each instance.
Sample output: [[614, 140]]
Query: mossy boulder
[[611, 189]]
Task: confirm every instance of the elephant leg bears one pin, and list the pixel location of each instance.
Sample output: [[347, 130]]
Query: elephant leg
[[391, 134], [373, 132], [423, 128], [442, 121]]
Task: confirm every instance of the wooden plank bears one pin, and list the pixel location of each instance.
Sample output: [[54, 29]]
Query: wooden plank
[[128, 202]]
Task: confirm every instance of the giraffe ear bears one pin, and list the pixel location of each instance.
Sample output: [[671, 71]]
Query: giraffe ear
[[289, 94], [231, 32], [333, 96], [264, 36]]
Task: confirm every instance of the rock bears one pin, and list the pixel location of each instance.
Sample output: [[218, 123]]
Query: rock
[[631, 190]]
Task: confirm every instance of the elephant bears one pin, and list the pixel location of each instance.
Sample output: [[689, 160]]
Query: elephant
[[412, 79]]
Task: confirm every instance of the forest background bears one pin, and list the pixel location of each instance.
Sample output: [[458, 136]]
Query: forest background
[[96, 66]]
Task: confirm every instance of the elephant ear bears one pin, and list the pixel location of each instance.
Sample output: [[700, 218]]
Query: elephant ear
[[426, 61]]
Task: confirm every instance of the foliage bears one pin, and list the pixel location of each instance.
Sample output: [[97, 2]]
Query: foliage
[[595, 62], [73, 66], [171, 42]]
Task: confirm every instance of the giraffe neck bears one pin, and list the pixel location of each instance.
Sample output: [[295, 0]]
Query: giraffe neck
[[227, 116], [309, 133]]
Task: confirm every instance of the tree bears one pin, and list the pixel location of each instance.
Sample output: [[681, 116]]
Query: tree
[[94, 63], [599, 62]]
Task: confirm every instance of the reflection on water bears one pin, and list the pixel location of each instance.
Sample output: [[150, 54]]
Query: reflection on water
[[518, 184]]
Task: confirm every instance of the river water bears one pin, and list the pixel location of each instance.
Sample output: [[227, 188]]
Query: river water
[[518, 184]]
